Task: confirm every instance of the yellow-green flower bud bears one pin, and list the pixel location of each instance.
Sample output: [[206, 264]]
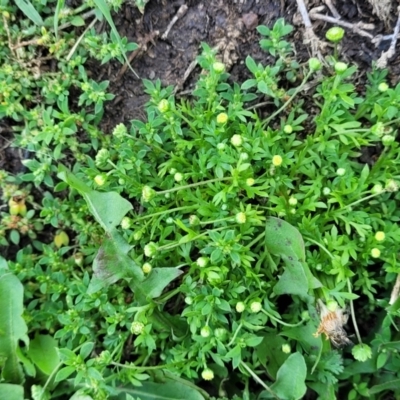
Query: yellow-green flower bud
[[383, 87], [250, 181], [237, 140], [292, 201], [218, 67], [286, 348], [163, 106], [178, 177], [335, 34], [137, 328], [340, 171], [240, 218], [222, 118], [207, 374], [277, 160], [126, 223], [288, 129], [205, 331], [375, 253], [255, 307], [340, 67], [148, 193], [314, 64], [380, 236], [150, 249], [146, 268], [240, 307], [202, 262], [100, 179]]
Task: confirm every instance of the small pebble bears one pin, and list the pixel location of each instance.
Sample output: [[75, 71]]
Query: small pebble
[[250, 20]]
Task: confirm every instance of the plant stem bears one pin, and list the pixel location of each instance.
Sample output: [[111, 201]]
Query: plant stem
[[353, 315], [257, 379], [164, 212], [191, 185], [280, 321], [295, 93], [235, 334], [361, 200]]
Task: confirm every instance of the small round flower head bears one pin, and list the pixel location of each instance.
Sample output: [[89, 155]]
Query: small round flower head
[[163, 106], [78, 258], [202, 262], [237, 140], [240, 218], [340, 171], [218, 67], [220, 333], [332, 305], [255, 307], [150, 249], [178, 177], [146, 268], [205, 331], [222, 118], [380, 236], [148, 193], [194, 220], [392, 186], [102, 156], [250, 181], [137, 327], [126, 223], [240, 307], [120, 131], [377, 189], [221, 146], [378, 129], [244, 156], [314, 64], [340, 67], [286, 348], [387, 140], [375, 253], [277, 160], [335, 34], [326, 191], [173, 171], [383, 87], [207, 374], [288, 129], [100, 179], [292, 201], [189, 300]]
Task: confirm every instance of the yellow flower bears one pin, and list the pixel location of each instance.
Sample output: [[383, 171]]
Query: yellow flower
[[277, 160]]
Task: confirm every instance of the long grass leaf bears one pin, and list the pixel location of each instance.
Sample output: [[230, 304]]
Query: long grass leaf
[[59, 7], [30, 11]]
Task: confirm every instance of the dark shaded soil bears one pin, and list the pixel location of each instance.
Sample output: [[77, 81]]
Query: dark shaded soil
[[229, 25]]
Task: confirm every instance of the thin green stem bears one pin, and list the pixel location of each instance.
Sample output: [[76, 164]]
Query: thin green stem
[[257, 379], [173, 245], [280, 321], [49, 379], [254, 241], [353, 315], [234, 335], [321, 246], [164, 212], [361, 200], [191, 185], [295, 93]]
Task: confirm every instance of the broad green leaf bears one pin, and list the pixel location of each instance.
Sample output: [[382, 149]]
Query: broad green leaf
[[158, 280], [270, 353], [3, 265], [42, 351], [169, 390], [12, 326], [107, 208], [113, 263], [290, 379], [390, 385], [30, 11], [285, 241], [11, 392], [64, 373], [304, 334]]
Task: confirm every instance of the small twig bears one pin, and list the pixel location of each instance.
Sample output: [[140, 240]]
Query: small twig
[[395, 291], [74, 47], [181, 12], [188, 71], [333, 9], [386, 55], [354, 27], [309, 34], [141, 49]]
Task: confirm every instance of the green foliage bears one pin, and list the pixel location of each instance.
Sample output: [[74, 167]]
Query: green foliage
[[182, 256]]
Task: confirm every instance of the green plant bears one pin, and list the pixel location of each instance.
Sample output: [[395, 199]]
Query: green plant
[[192, 246]]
